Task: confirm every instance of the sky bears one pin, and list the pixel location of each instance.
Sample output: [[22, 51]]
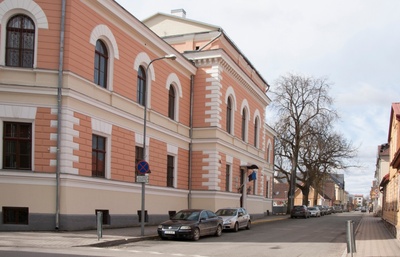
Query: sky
[[354, 44]]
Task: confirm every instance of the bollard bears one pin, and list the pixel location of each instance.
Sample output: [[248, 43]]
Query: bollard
[[351, 243], [354, 237], [99, 225]]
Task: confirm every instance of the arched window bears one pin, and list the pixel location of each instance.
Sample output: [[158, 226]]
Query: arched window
[[229, 116], [100, 64], [171, 102], [141, 85], [20, 41], [244, 118], [256, 131]]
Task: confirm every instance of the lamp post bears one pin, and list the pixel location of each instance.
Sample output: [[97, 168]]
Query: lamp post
[[171, 57]]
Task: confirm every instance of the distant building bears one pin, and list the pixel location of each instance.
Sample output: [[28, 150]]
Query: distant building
[[332, 193], [358, 200], [382, 169]]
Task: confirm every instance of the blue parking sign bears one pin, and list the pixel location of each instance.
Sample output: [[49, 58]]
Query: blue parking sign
[[143, 167]]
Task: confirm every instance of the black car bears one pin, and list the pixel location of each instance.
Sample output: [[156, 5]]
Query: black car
[[300, 211], [191, 224]]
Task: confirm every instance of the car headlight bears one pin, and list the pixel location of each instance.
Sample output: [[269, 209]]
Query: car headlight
[[228, 221], [186, 227], [160, 226]]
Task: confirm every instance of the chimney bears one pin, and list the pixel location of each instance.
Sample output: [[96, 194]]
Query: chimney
[[179, 12]]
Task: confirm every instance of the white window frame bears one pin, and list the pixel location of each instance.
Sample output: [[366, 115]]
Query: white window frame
[[9, 8]]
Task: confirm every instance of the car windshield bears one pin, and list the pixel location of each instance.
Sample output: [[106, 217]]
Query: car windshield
[[226, 212], [312, 208], [187, 215]]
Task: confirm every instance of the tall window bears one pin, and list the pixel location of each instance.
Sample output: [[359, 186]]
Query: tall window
[[229, 116], [141, 85], [139, 156], [256, 132], [227, 177], [17, 146], [98, 156], [171, 103], [170, 171], [267, 190], [268, 154], [20, 42], [244, 118], [100, 64]]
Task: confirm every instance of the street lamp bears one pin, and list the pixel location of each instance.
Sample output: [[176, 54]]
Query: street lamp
[[171, 57]]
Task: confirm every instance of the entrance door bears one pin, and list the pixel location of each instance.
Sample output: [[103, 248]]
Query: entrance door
[[242, 187]]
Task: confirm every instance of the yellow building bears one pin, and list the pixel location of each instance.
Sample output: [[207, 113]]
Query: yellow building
[[389, 186]]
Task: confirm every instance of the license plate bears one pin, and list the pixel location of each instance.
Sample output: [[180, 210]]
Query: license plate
[[169, 232]]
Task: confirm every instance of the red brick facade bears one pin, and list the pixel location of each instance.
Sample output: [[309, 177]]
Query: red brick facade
[[196, 138]]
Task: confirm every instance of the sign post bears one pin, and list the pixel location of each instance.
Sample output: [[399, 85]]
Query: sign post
[[143, 168], [144, 163]]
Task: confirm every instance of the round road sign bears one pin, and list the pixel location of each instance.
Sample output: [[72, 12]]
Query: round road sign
[[143, 167]]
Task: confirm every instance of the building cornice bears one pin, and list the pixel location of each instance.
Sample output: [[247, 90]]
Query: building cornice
[[221, 58], [135, 29]]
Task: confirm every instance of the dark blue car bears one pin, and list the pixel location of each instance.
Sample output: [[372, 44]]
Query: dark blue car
[[191, 224]]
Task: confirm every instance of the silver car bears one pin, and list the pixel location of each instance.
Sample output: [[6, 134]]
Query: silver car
[[314, 211], [234, 218]]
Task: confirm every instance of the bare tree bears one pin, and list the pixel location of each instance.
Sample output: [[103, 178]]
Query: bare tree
[[299, 102], [325, 152]]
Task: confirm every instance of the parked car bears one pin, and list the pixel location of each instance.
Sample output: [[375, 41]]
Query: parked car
[[322, 209], [363, 209], [314, 212], [191, 224], [337, 209], [329, 210], [300, 211], [234, 218]]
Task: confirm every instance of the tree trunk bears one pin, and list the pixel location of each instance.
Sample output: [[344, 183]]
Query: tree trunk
[[305, 191]]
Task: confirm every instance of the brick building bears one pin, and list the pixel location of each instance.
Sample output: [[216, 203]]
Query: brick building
[[72, 109]]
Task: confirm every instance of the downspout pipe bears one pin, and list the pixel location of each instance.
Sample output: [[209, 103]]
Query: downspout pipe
[[212, 40], [59, 112], [190, 143]]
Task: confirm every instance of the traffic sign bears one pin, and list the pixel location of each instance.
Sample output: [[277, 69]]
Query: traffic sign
[[142, 179], [143, 167]]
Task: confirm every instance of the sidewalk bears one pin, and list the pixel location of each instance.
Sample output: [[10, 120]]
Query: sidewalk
[[374, 239], [65, 239], [110, 237]]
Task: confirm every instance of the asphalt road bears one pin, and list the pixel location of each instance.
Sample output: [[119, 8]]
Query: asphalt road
[[324, 236]]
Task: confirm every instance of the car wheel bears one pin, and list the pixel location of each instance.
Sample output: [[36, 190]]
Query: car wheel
[[248, 225], [163, 238], [218, 232], [196, 234], [236, 227]]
